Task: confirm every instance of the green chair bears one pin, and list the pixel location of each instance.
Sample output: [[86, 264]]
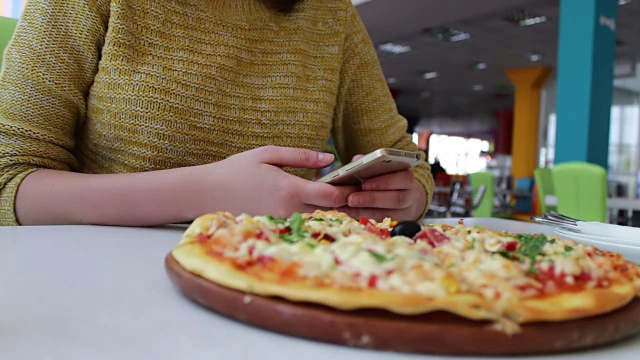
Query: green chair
[[581, 190], [7, 26], [483, 193], [544, 183]]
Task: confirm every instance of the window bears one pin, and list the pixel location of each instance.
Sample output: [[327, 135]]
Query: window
[[459, 155], [11, 8]]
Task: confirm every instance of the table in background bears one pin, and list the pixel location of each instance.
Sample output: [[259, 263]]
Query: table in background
[[627, 205], [91, 292], [613, 205]]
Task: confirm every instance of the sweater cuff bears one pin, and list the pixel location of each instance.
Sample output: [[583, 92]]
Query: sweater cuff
[[8, 198], [426, 179]]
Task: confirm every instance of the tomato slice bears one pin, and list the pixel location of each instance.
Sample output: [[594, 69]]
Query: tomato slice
[[432, 236]]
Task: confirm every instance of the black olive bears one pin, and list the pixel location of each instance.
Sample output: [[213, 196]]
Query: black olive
[[406, 228]]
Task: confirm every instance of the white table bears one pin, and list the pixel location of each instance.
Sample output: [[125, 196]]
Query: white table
[[93, 293]]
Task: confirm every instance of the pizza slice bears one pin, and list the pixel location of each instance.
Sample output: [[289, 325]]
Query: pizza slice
[[328, 258]]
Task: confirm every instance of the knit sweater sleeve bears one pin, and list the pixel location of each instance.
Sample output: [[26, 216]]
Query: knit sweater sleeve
[[48, 69], [366, 116]]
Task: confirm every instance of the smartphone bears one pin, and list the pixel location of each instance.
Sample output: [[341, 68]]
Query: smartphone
[[379, 162]]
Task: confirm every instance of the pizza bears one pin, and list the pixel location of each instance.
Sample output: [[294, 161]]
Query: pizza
[[330, 259]]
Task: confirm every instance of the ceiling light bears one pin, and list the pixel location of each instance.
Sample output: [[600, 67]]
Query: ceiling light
[[524, 18], [391, 80], [449, 35], [394, 48], [478, 87], [480, 66], [459, 37], [532, 20], [358, 2], [534, 57], [430, 75], [623, 2]]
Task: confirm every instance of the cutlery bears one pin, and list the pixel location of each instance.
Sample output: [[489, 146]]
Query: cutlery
[[589, 227], [555, 223], [560, 217]]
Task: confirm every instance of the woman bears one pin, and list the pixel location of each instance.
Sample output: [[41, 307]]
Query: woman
[[143, 112]]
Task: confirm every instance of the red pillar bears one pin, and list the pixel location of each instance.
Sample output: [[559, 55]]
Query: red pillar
[[505, 131]]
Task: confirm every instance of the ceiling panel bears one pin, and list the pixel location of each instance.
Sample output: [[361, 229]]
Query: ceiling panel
[[499, 43]]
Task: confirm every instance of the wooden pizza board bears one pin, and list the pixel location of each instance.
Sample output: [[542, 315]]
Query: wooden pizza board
[[433, 333]]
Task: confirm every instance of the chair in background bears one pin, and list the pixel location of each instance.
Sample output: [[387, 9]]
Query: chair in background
[[581, 190], [443, 206], [544, 183], [522, 195], [7, 26], [483, 193]]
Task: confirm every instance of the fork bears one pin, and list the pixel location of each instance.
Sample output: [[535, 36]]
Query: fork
[[562, 218], [556, 219]]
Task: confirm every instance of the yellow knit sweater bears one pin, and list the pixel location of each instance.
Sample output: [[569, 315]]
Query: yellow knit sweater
[[101, 86]]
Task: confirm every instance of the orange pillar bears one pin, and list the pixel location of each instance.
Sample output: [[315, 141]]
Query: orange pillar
[[528, 83]]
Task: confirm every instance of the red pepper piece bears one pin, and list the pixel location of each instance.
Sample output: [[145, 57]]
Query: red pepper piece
[[373, 280], [511, 246]]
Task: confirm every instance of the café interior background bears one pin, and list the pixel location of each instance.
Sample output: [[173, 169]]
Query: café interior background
[[446, 63]]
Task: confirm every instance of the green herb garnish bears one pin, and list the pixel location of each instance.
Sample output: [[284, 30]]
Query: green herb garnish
[[297, 232], [276, 220], [567, 251], [473, 244], [530, 246], [317, 219], [377, 256]]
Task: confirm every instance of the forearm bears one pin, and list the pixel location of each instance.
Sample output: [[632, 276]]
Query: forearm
[[138, 199]]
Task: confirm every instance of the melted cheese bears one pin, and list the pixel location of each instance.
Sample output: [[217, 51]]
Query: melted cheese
[[335, 249]]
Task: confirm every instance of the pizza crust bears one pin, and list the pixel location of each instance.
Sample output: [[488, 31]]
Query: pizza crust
[[195, 260], [204, 224], [575, 305]]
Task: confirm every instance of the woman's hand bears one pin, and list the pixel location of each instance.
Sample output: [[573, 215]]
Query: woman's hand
[[396, 195], [253, 182]]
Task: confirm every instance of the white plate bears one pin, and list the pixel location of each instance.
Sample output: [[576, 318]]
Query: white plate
[[610, 230], [629, 252], [568, 233]]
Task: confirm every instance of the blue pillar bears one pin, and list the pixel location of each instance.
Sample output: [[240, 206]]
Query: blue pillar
[[586, 56]]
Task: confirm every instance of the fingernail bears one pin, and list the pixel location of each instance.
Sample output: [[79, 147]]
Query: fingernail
[[325, 157]]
